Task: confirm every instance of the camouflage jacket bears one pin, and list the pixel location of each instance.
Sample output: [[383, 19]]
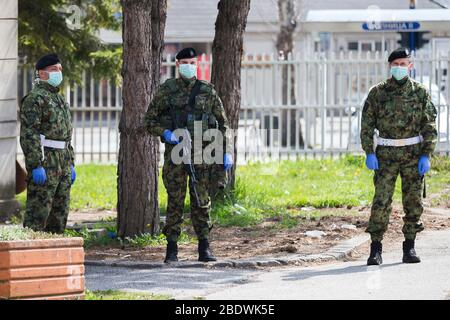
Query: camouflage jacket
[[399, 110], [174, 93], [45, 112]]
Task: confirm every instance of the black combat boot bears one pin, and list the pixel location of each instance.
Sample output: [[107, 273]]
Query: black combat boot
[[375, 259], [204, 252], [409, 254], [171, 252]]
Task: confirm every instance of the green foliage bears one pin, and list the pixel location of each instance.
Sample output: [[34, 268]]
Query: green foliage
[[269, 190], [440, 164], [108, 63], [92, 239], [108, 237], [69, 28], [95, 187], [147, 240], [354, 160], [263, 191], [16, 232], [124, 295], [282, 188]]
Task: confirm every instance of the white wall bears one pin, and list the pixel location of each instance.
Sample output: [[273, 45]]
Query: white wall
[[8, 105]]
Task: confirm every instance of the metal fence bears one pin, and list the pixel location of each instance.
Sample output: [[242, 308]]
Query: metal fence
[[292, 107]]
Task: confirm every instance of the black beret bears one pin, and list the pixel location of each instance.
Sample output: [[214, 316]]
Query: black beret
[[47, 60], [398, 54], [186, 53]]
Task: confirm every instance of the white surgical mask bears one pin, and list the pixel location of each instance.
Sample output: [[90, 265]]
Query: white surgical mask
[[188, 70], [399, 72], [55, 78]]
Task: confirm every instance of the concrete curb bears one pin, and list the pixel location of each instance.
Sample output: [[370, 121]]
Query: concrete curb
[[335, 253]]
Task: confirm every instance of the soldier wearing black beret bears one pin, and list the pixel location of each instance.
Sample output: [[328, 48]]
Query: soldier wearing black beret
[[399, 53], [186, 53], [399, 110], [186, 102], [47, 60], [45, 138]]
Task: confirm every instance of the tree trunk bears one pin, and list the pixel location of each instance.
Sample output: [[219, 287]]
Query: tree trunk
[[288, 16], [137, 185], [227, 56]]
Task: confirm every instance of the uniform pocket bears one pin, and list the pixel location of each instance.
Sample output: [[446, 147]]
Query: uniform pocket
[[200, 103], [413, 108], [387, 108]]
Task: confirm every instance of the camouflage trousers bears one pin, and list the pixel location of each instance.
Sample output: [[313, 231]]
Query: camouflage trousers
[[175, 178], [394, 161], [47, 206]]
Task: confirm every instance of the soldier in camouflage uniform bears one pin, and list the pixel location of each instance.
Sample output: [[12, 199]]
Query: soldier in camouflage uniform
[[45, 135], [400, 113], [169, 110]]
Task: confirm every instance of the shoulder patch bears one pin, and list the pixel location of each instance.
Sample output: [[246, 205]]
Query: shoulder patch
[[376, 88], [206, 87], [206, 83], [381, 85], [170, 84], [33, 95], [418, 85]]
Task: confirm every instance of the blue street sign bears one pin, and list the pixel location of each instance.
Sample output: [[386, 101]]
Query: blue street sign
[[391, 26]]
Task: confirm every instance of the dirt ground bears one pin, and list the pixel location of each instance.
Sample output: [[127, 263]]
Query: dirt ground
[[269, 238]]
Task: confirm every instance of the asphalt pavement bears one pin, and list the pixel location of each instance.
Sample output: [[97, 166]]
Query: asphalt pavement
[[340, 280]]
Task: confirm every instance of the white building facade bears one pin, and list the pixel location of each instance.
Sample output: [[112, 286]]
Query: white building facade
[[8, 106], [325, 25]]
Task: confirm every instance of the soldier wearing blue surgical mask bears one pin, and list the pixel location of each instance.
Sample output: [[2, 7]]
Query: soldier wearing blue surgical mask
[[400, 68], [401, 115], [188, 103], [45, 138]]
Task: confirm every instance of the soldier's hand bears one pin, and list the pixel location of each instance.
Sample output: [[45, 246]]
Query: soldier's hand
[[169, 137], [73, 174], [39, 176], [372, 161], [424, 165], [227, 161]]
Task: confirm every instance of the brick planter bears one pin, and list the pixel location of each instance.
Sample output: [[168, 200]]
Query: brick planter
[[42, 269]]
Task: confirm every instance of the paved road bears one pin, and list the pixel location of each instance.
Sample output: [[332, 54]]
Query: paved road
[[179, 283], [343, 280]]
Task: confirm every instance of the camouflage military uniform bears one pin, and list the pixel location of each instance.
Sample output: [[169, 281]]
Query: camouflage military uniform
[[398, 110], [45, 112], [209, 110]]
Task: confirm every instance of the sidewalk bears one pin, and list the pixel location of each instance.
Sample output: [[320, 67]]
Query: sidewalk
[[340, 251], [335, 280], [335, 253]]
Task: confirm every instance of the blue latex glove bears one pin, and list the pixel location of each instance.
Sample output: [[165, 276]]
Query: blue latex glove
[[424, 164], [39, 176], [372, 161], [170, 137], [112, 234], [227, 161], [73, 174]]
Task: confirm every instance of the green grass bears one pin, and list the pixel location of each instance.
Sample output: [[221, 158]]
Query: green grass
[[17, 232], [267, 190], [96, 188], [273, 190], [276, 189], [109, 238], [124, 295]]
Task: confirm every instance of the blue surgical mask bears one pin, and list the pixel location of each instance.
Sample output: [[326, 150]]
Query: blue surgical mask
[[399, 72], [187, 70], [55, 78]]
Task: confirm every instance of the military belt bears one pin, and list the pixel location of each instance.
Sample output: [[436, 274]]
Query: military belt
[[52, 143], [399, 142]]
